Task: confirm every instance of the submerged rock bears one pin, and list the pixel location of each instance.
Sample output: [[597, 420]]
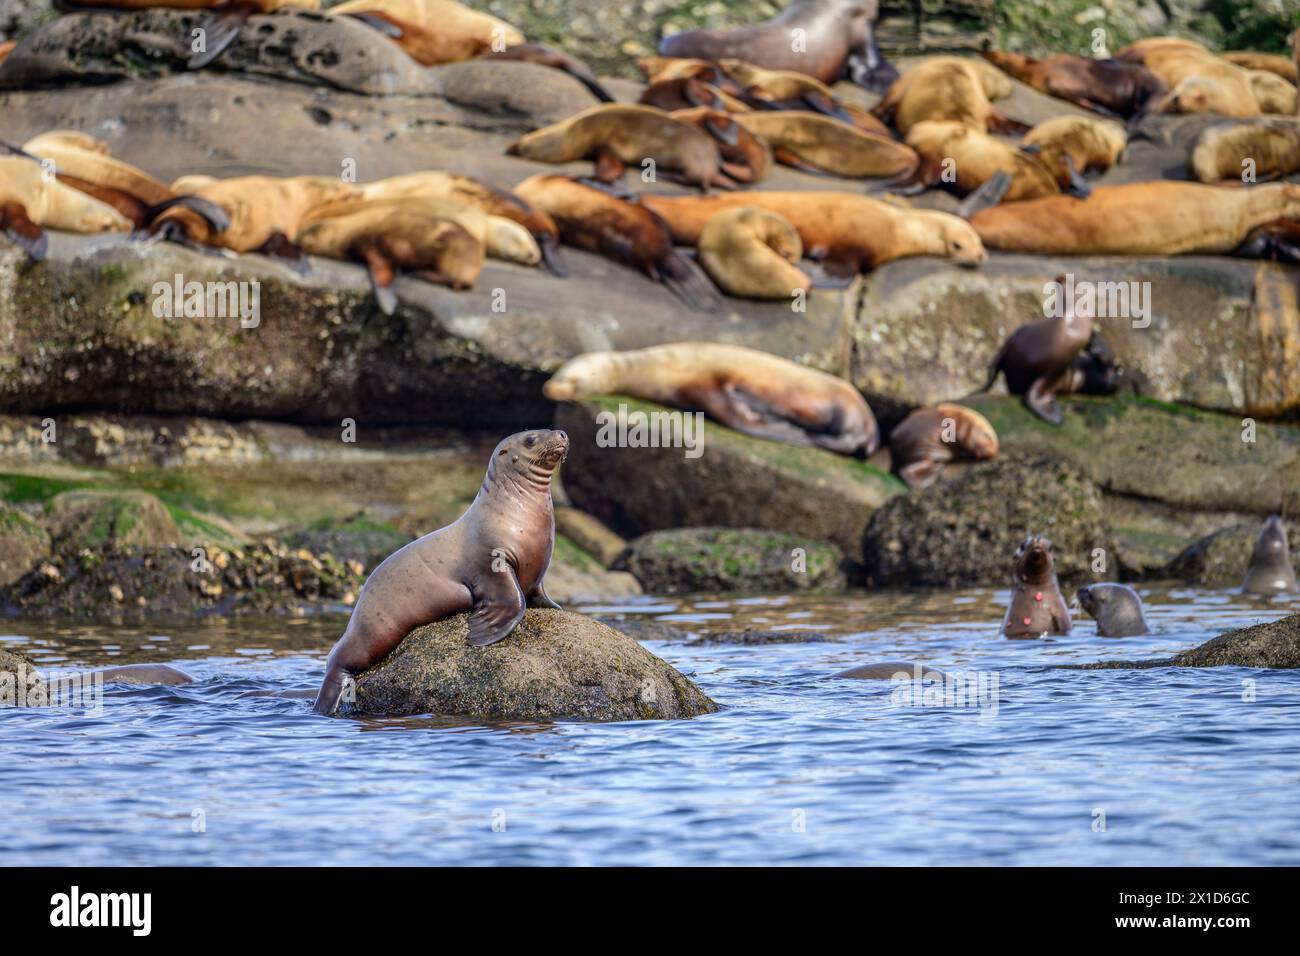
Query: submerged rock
[[110, 520], [23, 543], [21, 682], [688, 560], [760, 638], [1275, 645], [555, 665], [1221, 559]]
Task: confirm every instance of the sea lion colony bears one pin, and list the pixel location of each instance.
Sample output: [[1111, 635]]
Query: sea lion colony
[[716, 111]]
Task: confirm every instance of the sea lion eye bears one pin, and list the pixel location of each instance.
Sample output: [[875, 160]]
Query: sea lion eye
[[530, 441]]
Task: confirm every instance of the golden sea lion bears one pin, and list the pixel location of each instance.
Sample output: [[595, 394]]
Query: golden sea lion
[[32, 201], [1037, 606], [746, 158], [967, 158], [616, 136], [1271, 62], [1208, 94], [945, 88], [751, 391], [428, 46], [688, 92], [1198, 81], [1271, 146], [1272, 93], [753, 254], [1071, 145], [774, 84], [445, 16], [927, 439], [1111, 86], [660, 69], [822, 144], [845, 232]]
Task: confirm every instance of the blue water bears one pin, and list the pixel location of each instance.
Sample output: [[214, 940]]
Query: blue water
[[797, 769]]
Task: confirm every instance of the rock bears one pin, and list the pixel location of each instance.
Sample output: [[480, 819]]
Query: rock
[[964, 530], [21, 682], [524, 92], [693, 560], [589, 534], [23, 543], [1274, 645], [1220, 559], [555, 665], [358, 539], [645, 628], [575, 576], [1149, 535], [738, 482], [109, 520], [19, 17], [761, 638]]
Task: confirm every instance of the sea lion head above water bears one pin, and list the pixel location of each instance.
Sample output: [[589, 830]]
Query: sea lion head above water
[[1270, 570], [1116, 608], [1034, 564], [1036, 606]]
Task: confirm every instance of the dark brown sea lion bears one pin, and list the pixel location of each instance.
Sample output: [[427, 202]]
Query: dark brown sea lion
[[1269, 147], [491, 562], [1116, 608], [1094, 371], [1275, 242], [1036, 607], [927, 439], [1037, 358], [660, 69], [682, 93], [753, 254], [544, 55], [947, 88], [746, 157], [751, 391], [1107, 86], [826, 39], [1270, 570], [824, 144]]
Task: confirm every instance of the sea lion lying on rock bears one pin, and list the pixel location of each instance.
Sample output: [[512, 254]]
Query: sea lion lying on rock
[[928, 438], [31, 202], [1037, 607], [1072, 145], [1110, 86], [947, 88], [746, 156], [967, 158], [824, 144], [1269, 147], [753, 254]]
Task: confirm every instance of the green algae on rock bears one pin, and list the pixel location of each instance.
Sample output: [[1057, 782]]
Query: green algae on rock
[[23, 543], [108, 520], [685, 560]]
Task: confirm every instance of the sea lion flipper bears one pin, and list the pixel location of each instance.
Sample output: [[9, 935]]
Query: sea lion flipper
[[498, 607], [609, 168], [387, 27], [539, 598], [219, 31], [1041, 400], [920, 474], [551, 256], [24, 233], [280, 247], [1078, 187], [988, 195]]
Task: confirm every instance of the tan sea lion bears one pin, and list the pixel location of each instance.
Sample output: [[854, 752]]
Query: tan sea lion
[[428, 46], [1272, 93], [753, 254], [1071, 145], [1270, 571], [660, 69], [750, 391], [1109, 86], [1138, 50], [1037, 607], [444, 16], [1161, 218], [32, 200], [845, 232], [775, 84], [1271, 145], [491, 562], [827, 39], [548, 56], [971, 158], [616, 136], [619, 229], [823, 144], [1116, 608], [747, 158], [1198, 81], [1209, 94], [944, 88], [1270, 62], [928, 438]]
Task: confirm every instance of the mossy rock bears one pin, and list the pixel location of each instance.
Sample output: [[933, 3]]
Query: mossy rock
[[108, 520], [1221, 559], [22, 544], [20, 680], [687, 560], [354, 539], [1275, 645], [555, 665]]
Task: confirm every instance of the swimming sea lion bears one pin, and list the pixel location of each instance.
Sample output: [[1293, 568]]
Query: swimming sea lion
[[746, 157], [616, 135], [1272, 93], [1036, 607], [548, 56], [1116, 608], [838, 40], [1110, 86], [823, 144], [625, 231], [491, 561], [1036, 358], [157, 674], [927, 439], [1271, 145], [1071, 145], [751, 391], [1270, 62], [945, 88], [1270, 570], [892, 670], [1161, 218], [845, 232], [753, 254], [31, 201], [971, 158]]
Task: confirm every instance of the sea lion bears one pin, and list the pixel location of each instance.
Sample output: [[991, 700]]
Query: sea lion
[[1271, 145], [1161, 218], [491, 562], [1270, 570], [660, 69], [1036, 607], [891, 670], [1071, 145], [1139, 50], [427, 46], [953, 152], [1107, 86], [548, 56], [1208, 94], [1198, 81], [838, 41], [1116, 608], [154, 674], [615, 135], [31, 201], [1270, 62], [774, 84], [1274, 242], [1272, 93], [753, 254], [1036, 358], [928, 438], [439, 16], [616, 228], [746, 157], [684, 93], [1094, 371], [944, 88], [750, 391], [845, 232], [823, 144], [388, 236]]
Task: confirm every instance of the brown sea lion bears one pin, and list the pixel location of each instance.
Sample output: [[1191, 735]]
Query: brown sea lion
[[548, 56], [491, 562], [928, 438], [967, 158], [660, 69], [826, 39], [1270, 145], [944, 88], [1036, 607], [845, 232], [1162, 218], [1270, 62], [1108, 86], [684, 93], [1272, 93], [1270, 571], [616, 136], [751, 391], [1277, 241], [1094, 371], [746, 157], [619, 229], [1037, 357], [823, 144], [1071, 145], [1116, 608], [753, 254]]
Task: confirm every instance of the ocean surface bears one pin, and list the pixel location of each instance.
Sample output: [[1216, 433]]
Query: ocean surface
[[1027, 764]]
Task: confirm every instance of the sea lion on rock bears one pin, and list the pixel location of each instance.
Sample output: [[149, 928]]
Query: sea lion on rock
[[928, 438], [845, 232], [1271, 146], [751, 391], [31, 201], [1116, 608], [746, 156], [945, 88], [1094, 371], [1072, 145], [619, 229], [548, 56], [684, 93], [1110, 86], [753, 254], [491, 562], [1270, 62], [1270, 571], [974, 158], [1036, 607], [1206, 94], [1198, 81], [838, 41], [660, 69], [439, 16], [823, 144], [1272, 93]]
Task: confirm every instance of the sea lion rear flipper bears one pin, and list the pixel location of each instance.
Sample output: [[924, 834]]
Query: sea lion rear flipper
[[1078, 187], [920, 474], [218, 31], [687, 281], [385, 26], [24, 233], [279, 247], [988, 195], [214, 214], [1041, 400], [551, 257], [609, 168], [997, 123], [539, 598], [498, 607]]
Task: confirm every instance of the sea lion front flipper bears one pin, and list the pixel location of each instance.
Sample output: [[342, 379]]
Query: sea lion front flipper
[[539, 598], [997, 123], [280, 247], [498, 607], [387, 27], [686, 280], [1041, 400], [920, 474], [609, 168], [988, 195], [1078, 187], [24, 233], [551, 256], [219, 31]]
